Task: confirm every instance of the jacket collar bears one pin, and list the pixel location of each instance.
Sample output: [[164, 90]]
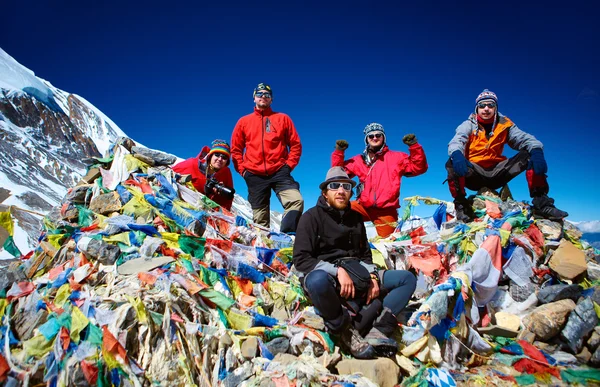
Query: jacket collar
[[267, 112]]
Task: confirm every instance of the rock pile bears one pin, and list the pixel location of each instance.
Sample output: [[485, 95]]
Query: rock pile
[[140, 280]]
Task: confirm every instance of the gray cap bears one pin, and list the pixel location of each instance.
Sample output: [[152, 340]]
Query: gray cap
[[336, 174]]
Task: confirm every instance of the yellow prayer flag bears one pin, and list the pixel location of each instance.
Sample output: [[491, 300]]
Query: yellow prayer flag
[[78, 324]]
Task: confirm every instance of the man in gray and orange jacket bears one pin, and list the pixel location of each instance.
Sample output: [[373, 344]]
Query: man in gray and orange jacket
[[476, 159], [265, 148]]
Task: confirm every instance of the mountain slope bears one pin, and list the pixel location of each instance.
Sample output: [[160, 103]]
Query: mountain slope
[[45, 132]]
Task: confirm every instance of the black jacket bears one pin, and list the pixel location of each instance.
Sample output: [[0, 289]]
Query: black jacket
[[326, 234]]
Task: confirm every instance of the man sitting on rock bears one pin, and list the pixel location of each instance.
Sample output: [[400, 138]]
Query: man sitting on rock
[[476, 159], [332, 254]]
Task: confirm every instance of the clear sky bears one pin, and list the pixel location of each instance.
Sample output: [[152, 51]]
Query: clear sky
[[176, 76]]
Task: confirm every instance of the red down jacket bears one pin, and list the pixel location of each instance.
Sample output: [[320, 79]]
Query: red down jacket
[[382, 179], [190, 167]]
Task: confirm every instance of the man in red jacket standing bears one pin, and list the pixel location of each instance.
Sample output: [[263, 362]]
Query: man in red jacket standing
[[379, 171], [265, 148]]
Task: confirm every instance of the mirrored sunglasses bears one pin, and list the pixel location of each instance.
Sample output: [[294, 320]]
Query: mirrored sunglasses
[[376, 135], [221, 156], [335, 186], [263, 94], [482, 105]]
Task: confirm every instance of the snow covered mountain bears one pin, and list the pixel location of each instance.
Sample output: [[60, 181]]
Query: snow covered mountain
[[45, 132]]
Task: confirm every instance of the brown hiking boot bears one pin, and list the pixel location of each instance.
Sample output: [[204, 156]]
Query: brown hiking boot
[[355, 344]]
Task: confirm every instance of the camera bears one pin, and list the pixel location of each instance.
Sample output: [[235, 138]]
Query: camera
[[221, 189]]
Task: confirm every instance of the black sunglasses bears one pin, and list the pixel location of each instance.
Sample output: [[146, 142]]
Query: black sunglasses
[[376, 135], [482, 105], [263, 95]]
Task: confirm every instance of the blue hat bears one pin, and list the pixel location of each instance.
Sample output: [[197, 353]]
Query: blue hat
[[372, 128], [486, 95]]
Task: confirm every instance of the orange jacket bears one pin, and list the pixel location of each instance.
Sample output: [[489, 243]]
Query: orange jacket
[[270, 141], [487, 152], [190, 167], [486, 149]]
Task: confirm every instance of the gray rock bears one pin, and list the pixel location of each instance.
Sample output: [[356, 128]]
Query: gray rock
[[559, 292], [249, 348], [278, 345], [77, 194], [125, 142], [383, 371], [27, 321], [581, 322], [12, 273], [521, 293], [99, 250], [594, 340], [313, 320], [225, 341], [235, 378], [595, 360], [155, 157], [593, 271], [106, 203]]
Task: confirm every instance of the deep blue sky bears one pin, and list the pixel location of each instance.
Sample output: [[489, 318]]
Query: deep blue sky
[[174, 76]]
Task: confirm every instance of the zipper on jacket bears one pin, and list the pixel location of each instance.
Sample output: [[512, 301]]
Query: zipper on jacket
[[263, 141]]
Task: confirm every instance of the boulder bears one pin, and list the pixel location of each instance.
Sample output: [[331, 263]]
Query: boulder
[[551, 230], [153, 157], [278, 345], [581, 322], [383, 371], [106, 203], [312, 320], [568, 261], [99, 250], [547, 321], [250, 348], [555, 293]]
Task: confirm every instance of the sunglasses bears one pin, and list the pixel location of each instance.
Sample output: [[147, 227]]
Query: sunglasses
[[221, 156], [483, 105], [335, 186], [376, 135], [263, 95]]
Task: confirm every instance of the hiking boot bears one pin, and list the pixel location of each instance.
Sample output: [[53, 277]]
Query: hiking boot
[[379, 335], [464, 211], [543, 207], [354, 342]]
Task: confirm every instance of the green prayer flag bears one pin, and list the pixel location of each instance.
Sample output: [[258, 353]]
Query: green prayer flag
[[10, 246]]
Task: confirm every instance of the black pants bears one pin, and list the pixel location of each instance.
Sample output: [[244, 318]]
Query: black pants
[[288, 193], [496, 177]]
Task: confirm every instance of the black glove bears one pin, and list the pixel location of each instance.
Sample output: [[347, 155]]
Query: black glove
[[460, 163], [341, 145], [537, 162], [409, 139]]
